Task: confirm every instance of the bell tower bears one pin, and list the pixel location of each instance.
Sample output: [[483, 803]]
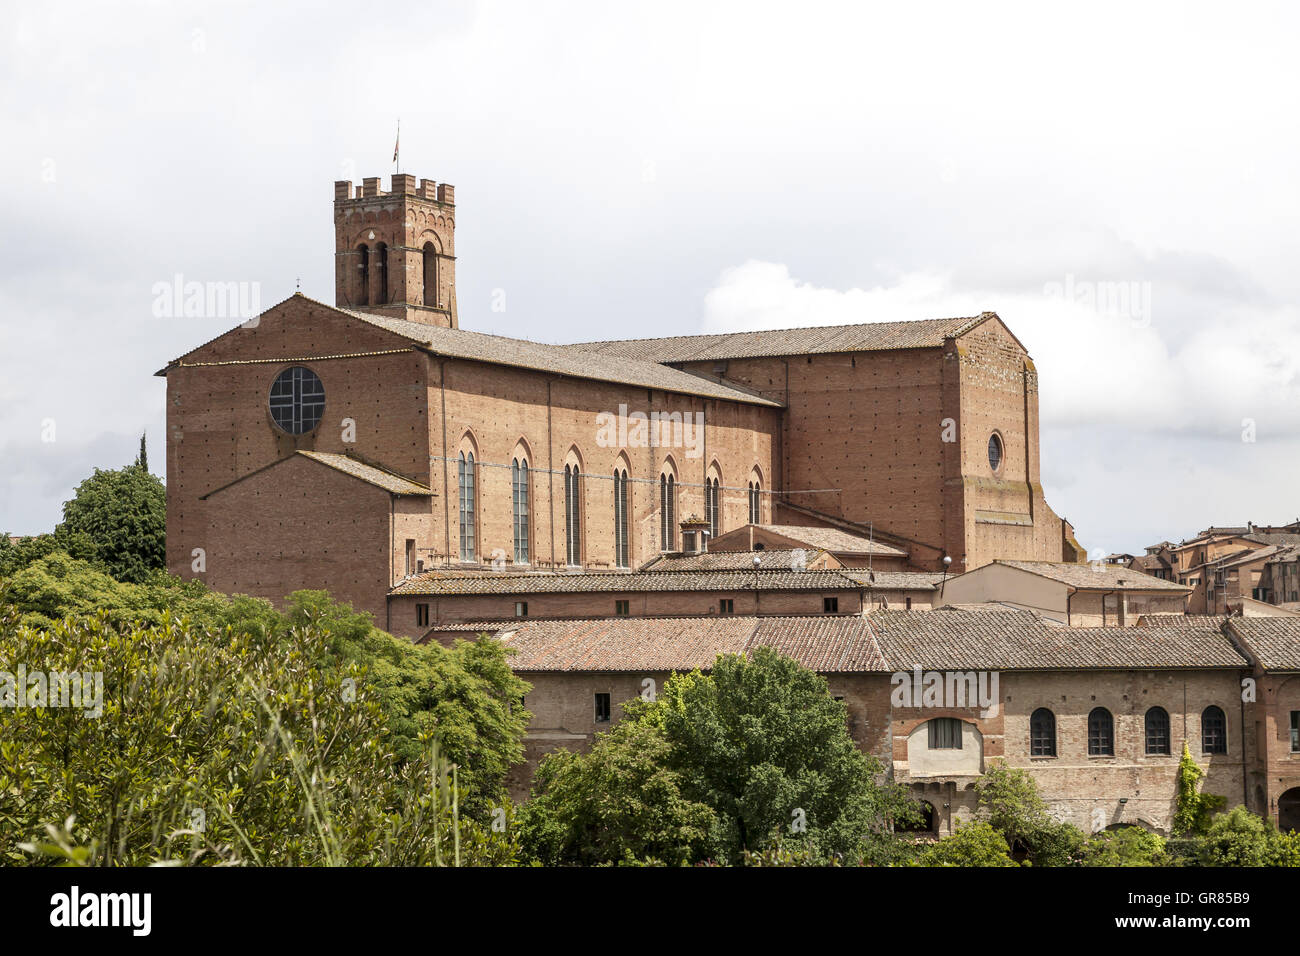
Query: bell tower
[[394, 252]]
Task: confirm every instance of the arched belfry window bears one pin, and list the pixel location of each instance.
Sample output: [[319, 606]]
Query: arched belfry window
[[667, 512], [381, 280], [1042, 733], [363, 273], [465, 474], [430, 275], [519, 484], [755, 508], [622, 553], [572, 515]]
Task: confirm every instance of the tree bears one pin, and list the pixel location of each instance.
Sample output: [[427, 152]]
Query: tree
[[1013, 806], [118, 520], [200, 746], [1242, 838], [1126, 846], [973, 844], [466, 694], [761, 742], [619, 803], [142, 459]]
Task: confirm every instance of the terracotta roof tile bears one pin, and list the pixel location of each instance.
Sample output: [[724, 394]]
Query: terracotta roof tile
[[832, 539], [577, 582], [1093, 576], [859, 337], [1275, 641]]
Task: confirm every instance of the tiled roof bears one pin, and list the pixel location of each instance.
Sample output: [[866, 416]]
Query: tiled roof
[[895, 580], [369, 473], [1165, 620], [832, 539], [557, 359], [883, 642], [1275, 641], [1260, 537], [772, 559], [1094, 577], [577, 582], [859, 337], [825, 644], [1017, 640]]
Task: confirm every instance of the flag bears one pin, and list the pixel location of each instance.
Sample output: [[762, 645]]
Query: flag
[[398, 143]]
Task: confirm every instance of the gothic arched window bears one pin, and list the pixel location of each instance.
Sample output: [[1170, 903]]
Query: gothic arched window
[[519, 487], [621, 555], [465, 475], [667, 512], [572, 516]]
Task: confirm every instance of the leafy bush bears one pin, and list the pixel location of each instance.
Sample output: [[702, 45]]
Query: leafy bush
[[220, 747], [1242, 838], [1126, 846], [973, 844]]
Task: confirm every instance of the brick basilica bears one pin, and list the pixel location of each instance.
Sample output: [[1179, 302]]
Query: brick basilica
[[618, 510]]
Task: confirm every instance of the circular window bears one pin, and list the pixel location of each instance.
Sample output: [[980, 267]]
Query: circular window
[[297, 400], [995, 451]]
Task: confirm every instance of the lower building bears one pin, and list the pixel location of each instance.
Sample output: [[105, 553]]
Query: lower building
[[1097, 715]]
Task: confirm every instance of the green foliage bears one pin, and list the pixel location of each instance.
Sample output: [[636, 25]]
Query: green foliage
[[1126, 846], [619, 803], [16, 555], [219, 747], [762, 743], [973, 844], [1242, 838], [466, 694], [1013, 806], [750, 763], [118, 520], [1193, 810]]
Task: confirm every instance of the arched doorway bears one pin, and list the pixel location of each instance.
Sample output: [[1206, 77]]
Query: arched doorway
[[1288, 810], [924, 825]]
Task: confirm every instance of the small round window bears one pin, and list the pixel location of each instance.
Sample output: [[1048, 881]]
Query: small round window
[[995, 452], [297, 400]]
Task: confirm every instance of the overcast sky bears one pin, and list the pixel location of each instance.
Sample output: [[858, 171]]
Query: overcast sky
[[1117, 181]]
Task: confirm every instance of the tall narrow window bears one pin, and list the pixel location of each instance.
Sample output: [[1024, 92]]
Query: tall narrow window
[[410, 556], [381, 280], [711, 505], [1214, 731], [1295, 731], [430, 275], [363, 270], [621, 550], [572, 516], [1101, 733], [465, 473], [519, 486], [602, 708], [667, 512], [1042, 733], [1157, 731], [754, 511]]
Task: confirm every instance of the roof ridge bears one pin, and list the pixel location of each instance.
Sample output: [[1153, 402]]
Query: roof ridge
[[969, 320]]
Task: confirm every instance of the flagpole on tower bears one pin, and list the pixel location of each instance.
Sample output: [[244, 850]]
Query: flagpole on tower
[[397, 166]]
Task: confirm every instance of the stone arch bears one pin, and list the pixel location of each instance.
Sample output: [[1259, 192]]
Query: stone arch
[[1288, 810]]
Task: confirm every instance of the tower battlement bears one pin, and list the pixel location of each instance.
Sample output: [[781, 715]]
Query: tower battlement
[[402, 184], [394, 251]]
